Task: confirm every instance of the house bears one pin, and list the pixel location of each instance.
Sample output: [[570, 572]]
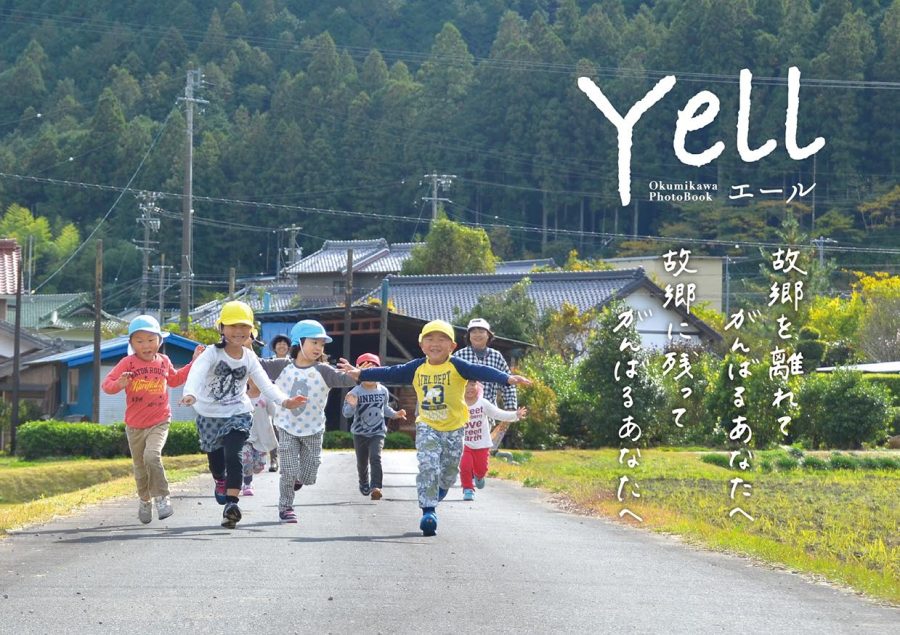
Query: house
[[448, 296], [66, 315], [9, 272], [708, 276], [75, 372], [320, 278]]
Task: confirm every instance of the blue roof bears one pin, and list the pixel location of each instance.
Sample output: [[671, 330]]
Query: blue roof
[[116, 347]]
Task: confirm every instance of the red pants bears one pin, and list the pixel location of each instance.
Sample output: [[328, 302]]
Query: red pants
[[474, 463]]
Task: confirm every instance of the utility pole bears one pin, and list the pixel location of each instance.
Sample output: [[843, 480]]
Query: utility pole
[[17, 354], [231, 274], [348, 323], [194, 81], [812, 227], [161, 268], [290, 251], [150, 222], [98, 316], [820, 243], [438, 181]]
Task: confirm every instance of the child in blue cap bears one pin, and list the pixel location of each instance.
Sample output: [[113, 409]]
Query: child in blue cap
[[303, 428], [145, 375]]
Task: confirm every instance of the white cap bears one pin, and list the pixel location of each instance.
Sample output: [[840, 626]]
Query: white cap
[[479, 323]]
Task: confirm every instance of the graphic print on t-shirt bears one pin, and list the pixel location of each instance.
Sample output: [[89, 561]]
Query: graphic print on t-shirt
[[227, 381], [299, 387]]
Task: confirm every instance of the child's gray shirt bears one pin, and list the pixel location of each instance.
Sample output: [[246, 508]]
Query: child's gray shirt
[[370, 411]]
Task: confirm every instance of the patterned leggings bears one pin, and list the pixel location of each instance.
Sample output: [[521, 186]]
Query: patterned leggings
[[300, 458], [438, 454]]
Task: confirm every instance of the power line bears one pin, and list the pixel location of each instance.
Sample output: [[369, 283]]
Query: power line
[[112, 207], [407, 219]]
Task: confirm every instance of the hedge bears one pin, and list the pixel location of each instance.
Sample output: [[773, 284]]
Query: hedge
[[889, 381], [340, 440], [39, 439]]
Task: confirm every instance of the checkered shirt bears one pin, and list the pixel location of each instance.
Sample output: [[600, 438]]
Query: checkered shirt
[[494, 359]]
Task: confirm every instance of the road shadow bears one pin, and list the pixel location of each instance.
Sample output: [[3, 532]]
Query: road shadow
[[397, 538]]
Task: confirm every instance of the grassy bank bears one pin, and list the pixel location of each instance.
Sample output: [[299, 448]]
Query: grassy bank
[[841, 524], [32, 492]]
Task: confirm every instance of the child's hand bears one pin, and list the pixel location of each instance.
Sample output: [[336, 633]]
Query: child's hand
[[200, 348], [124, 379], [188, 400], [351, 399], [401, 414], [518, 379], [522, 412], [294, 402], [348, 368]]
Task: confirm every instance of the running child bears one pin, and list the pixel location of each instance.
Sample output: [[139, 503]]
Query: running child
[[368, 405], [474, 464], [301, 428], [439, 381], [217, 389], [145, 375]]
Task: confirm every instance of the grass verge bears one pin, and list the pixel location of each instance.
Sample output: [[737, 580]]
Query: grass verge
[[35, 492], [839, 524]]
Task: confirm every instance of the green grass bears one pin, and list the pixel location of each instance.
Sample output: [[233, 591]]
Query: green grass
[[36, 491], [841, 524]]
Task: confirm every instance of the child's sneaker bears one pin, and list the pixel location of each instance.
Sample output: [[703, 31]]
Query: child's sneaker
[[428, 524], [479, 482], [376, 493], [365, 490], [273, 465], [220, 491], [468, 494], [247, 490], [231, 515], [164, 507], [297, 486], [288, 515], [145, 511], [442, 493]]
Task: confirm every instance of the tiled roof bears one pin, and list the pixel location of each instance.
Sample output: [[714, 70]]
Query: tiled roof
[[108, 348], [332, 257], [433, 297], [38, 309], [391, 262], [522, 266], [9, 265], [280, 299]]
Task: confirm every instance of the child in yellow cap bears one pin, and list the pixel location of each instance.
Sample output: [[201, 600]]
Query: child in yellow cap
[[217, 389], [440, 383]]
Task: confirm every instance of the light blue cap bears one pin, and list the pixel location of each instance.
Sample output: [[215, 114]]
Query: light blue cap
[[146, 323], [308, 328]]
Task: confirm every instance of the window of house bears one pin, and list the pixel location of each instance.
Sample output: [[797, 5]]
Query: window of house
[[339, 287], [72, 396]]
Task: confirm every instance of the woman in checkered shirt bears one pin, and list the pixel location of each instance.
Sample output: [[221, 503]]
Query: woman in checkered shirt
[[479, 336]]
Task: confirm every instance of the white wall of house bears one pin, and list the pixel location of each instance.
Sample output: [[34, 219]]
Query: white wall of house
[[652, 321]]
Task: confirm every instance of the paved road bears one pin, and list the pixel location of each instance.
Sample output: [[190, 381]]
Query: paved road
[[509, 562]]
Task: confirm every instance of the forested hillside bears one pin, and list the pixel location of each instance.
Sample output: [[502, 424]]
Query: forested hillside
[[323, 108]]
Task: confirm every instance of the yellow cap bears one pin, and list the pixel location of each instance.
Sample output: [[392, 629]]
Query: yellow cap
[[236, 312], [438, 326]]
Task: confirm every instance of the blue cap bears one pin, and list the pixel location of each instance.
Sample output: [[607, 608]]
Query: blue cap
[[146, 323], [308, 328]]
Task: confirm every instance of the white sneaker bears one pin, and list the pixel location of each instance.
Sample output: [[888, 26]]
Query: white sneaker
[[163, 507], [145, 512]]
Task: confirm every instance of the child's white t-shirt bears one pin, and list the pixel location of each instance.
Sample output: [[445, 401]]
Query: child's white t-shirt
[[315, 382], [219, 383], [478, 429]]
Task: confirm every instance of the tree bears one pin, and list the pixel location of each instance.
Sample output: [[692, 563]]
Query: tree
[[879, 329], [512, 314], [451, 248]]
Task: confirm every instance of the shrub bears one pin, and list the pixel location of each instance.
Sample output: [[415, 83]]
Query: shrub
[[815, 463], [38, 439], [700, 425], [894, 424], [841, 410], [765, 465], [887, 463], [889, 381], [183, 439], [839, 353], [795, 452], [398, 441], [337, 440], [539, 430], [786, 463], [716, 459], [840, 461]]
